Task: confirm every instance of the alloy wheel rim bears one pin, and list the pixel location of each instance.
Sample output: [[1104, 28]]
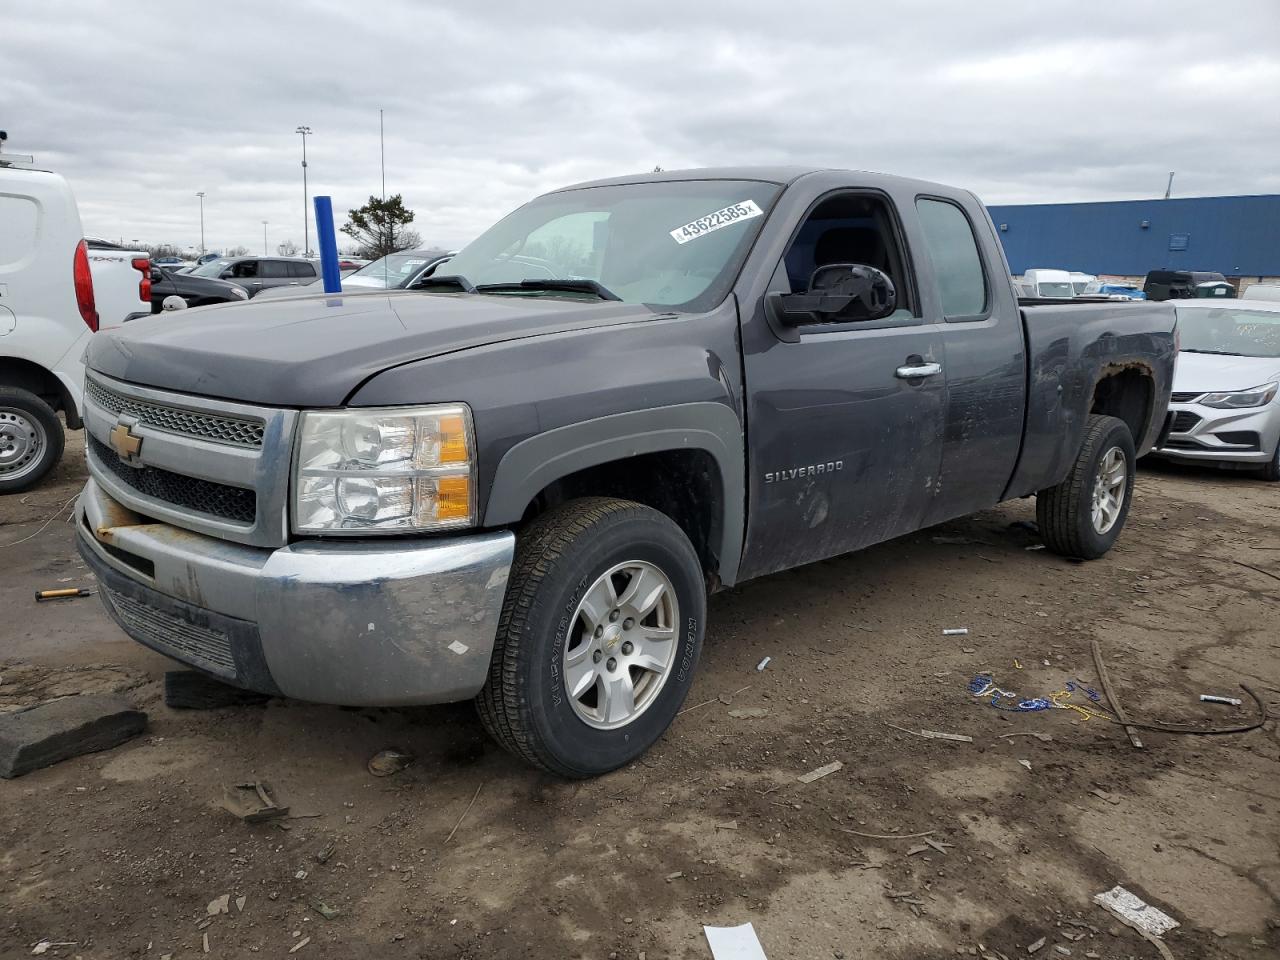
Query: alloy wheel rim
[[621, 644], [1109, 489], [22, 442]]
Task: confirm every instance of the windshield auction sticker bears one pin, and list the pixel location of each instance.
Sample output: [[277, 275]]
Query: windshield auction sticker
[[715, 221]]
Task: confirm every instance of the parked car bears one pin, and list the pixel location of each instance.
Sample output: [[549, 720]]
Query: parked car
[[1262, 291], [1224, 403], [1214, 290], [519, 482], [121, 278], [1113, 291], [1079, 281], [1176, 284], [255, 274], [56, 289], [173, 262], [397, 271], [1049, 284], [195, 291]]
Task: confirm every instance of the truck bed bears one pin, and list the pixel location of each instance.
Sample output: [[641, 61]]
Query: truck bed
[[1071, 345]]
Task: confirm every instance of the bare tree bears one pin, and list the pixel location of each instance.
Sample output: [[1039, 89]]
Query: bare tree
[[238, 252]]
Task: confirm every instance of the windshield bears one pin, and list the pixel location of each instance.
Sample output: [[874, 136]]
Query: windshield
[[670, 245], [213, 269], [1054, 289], [1244, 333], [393, 270]]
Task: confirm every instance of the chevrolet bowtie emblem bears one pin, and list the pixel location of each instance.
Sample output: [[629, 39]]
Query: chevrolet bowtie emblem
[[124, 442]]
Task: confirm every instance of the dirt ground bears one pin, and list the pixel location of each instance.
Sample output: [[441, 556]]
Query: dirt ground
[[118, 854]]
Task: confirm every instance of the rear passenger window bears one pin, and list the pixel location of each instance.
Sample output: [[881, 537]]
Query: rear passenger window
[[962, 285], [272, 269], [302, 270]]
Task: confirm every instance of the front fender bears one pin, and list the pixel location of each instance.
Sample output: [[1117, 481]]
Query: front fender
[[532, 464]]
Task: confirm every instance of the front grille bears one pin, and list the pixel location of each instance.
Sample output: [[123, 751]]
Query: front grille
[[1184, 420], [207, 646], [190, 423], [1185, 397], [203, 496]]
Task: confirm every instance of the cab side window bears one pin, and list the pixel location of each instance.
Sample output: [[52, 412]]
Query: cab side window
[[849, 228], [245, 269], [962, 283], [273, 270], [302, 270]]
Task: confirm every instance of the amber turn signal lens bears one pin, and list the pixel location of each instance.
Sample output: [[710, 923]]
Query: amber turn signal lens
[[453, 498]]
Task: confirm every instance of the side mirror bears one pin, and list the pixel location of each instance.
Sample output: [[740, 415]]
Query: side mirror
[[172, 303], [838, 293]]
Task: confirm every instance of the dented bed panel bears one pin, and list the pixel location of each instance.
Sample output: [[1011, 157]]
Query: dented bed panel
[[1070, 349]]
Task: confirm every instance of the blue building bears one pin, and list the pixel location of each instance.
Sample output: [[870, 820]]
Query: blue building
[[1235, 236]]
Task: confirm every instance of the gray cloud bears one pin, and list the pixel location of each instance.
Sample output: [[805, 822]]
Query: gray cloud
[[487, 105]]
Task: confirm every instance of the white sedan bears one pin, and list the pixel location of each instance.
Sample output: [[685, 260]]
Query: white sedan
[[1224, 405]]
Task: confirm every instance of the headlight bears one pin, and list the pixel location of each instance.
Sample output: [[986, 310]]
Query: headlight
[[1253, 397], [240, 293], [388, 469]]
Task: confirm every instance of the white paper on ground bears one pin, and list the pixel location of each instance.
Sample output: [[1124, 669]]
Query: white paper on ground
[[734, 943], [1126, 905]]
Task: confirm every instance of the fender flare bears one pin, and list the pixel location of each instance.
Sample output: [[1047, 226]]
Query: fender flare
[[534, 463]]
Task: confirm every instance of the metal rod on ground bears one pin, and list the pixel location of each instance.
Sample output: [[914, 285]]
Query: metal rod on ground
[[1105, 680]]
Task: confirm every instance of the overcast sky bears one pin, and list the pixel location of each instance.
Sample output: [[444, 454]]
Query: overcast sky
[[489, 103]]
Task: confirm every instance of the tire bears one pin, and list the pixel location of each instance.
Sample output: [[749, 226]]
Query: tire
[[1272, 470], [1065, 513], [31, 439], [545, 641]]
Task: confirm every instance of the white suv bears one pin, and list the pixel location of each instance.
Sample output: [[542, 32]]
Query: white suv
[[48, 311]]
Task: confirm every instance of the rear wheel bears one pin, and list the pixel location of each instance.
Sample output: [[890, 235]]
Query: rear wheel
[[31, 439], [1083, 515], [598, 639]]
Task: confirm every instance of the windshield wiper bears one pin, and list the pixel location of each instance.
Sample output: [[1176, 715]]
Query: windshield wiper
[[1216, 353], [455, 280], [569, 286]]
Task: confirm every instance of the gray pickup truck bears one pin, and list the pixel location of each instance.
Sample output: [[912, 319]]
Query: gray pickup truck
[[519, 482]]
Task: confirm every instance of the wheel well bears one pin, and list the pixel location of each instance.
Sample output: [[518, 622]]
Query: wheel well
[[25, 375], [683, 484], [1126, 394]]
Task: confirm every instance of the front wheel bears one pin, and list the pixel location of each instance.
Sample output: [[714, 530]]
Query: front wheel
[[1083, 515], [31, 439], [598, 640], [1272, 470]]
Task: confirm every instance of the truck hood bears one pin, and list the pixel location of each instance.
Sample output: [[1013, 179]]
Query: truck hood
[[1208, 372], [313, 351]]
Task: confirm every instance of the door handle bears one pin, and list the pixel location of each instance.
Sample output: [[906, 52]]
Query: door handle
[[916, 368]]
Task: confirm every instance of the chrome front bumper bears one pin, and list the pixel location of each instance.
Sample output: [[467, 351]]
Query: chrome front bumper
[[356, 623]]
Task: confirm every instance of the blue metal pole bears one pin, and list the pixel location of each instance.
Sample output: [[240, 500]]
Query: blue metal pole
[[328, 245]]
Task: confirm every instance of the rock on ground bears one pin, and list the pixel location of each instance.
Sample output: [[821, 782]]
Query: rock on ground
[[60, 729]]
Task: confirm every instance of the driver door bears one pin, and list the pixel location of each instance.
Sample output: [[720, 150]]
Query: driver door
[[845, 445]]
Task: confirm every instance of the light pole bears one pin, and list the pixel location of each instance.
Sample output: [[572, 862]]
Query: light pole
[[201, 196], [264, 238], [306, 237]]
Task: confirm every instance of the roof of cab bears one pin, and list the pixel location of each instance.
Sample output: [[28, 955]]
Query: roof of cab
[[779, 174]]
